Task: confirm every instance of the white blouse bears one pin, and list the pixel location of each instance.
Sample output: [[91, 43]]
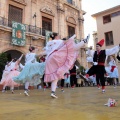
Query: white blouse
[[30, 58], [53, 45], [7, 68], [112, 63]]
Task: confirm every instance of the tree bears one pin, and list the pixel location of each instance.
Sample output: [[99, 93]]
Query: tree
[[3, 60], [82, 70]]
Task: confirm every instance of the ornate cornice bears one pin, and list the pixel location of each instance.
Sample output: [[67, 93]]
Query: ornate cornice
[[71, 20], [23, 2], [47, 10]]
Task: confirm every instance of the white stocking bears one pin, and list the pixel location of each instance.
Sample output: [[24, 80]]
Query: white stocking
[[79, 45], [4, 87], [12, 87], [26, 85], [54, 85]]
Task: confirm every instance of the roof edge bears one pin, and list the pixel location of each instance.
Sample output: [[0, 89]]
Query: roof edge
[[116, 7]]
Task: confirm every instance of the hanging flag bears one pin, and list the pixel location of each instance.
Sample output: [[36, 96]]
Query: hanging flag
[[18, 34]]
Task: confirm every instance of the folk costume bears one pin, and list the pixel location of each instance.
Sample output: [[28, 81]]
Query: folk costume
[[14, 71], [73, 79], [98, 68], [30, 58], [113, 70], [32, 72], [6, 71], [61, 56]]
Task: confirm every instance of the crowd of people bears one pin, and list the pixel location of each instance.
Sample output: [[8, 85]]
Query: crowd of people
[[57, 65]]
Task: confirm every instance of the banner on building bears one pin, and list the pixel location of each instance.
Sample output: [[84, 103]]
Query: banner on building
[[18, 34]]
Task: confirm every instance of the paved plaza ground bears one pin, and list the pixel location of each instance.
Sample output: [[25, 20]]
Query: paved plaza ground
[[83, 103]]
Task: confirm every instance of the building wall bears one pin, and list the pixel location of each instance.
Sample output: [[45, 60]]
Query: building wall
[[60, 11], [114, 26]]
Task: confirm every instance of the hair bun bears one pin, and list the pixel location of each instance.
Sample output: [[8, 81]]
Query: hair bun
[[53, 35], [31, 48]]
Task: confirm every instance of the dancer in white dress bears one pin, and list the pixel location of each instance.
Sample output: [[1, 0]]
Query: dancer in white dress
[[13, 71], [30, 58], [6, 72], [113, 70]]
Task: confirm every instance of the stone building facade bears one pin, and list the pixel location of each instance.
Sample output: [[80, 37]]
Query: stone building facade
[[62, 16]]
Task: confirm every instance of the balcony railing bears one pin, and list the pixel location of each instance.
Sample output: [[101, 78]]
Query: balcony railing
[[29, 28]]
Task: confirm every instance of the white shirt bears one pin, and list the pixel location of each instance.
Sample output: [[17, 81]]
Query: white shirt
[[12, 65]]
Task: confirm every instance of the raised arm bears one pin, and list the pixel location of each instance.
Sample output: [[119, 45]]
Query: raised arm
[[18, 61], [112, 50], [90, 53], [10, 63]]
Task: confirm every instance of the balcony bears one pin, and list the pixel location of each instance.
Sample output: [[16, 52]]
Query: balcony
[[6, 24]]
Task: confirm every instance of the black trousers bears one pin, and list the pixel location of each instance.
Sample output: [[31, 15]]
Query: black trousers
[[44, 84], [99, 71], [73, 80], [100, 79], [62, 83]]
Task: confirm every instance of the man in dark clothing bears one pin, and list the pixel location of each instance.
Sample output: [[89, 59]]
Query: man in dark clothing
[[73, 79], [99, 57]]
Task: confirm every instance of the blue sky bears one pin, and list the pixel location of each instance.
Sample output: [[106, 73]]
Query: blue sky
[[92, 7]]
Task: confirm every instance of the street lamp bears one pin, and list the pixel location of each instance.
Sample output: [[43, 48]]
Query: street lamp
[[34, 16]]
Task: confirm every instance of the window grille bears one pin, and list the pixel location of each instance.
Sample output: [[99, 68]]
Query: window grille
[[15, 14], [46, 25], [109, 38], [106, 19], [71, 31]]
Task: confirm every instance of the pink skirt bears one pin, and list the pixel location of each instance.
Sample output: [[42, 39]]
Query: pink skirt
[[8, 81], [60, 61], [5, 74]]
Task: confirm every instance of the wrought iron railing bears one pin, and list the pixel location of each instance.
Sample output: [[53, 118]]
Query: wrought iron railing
[[29, 28]]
